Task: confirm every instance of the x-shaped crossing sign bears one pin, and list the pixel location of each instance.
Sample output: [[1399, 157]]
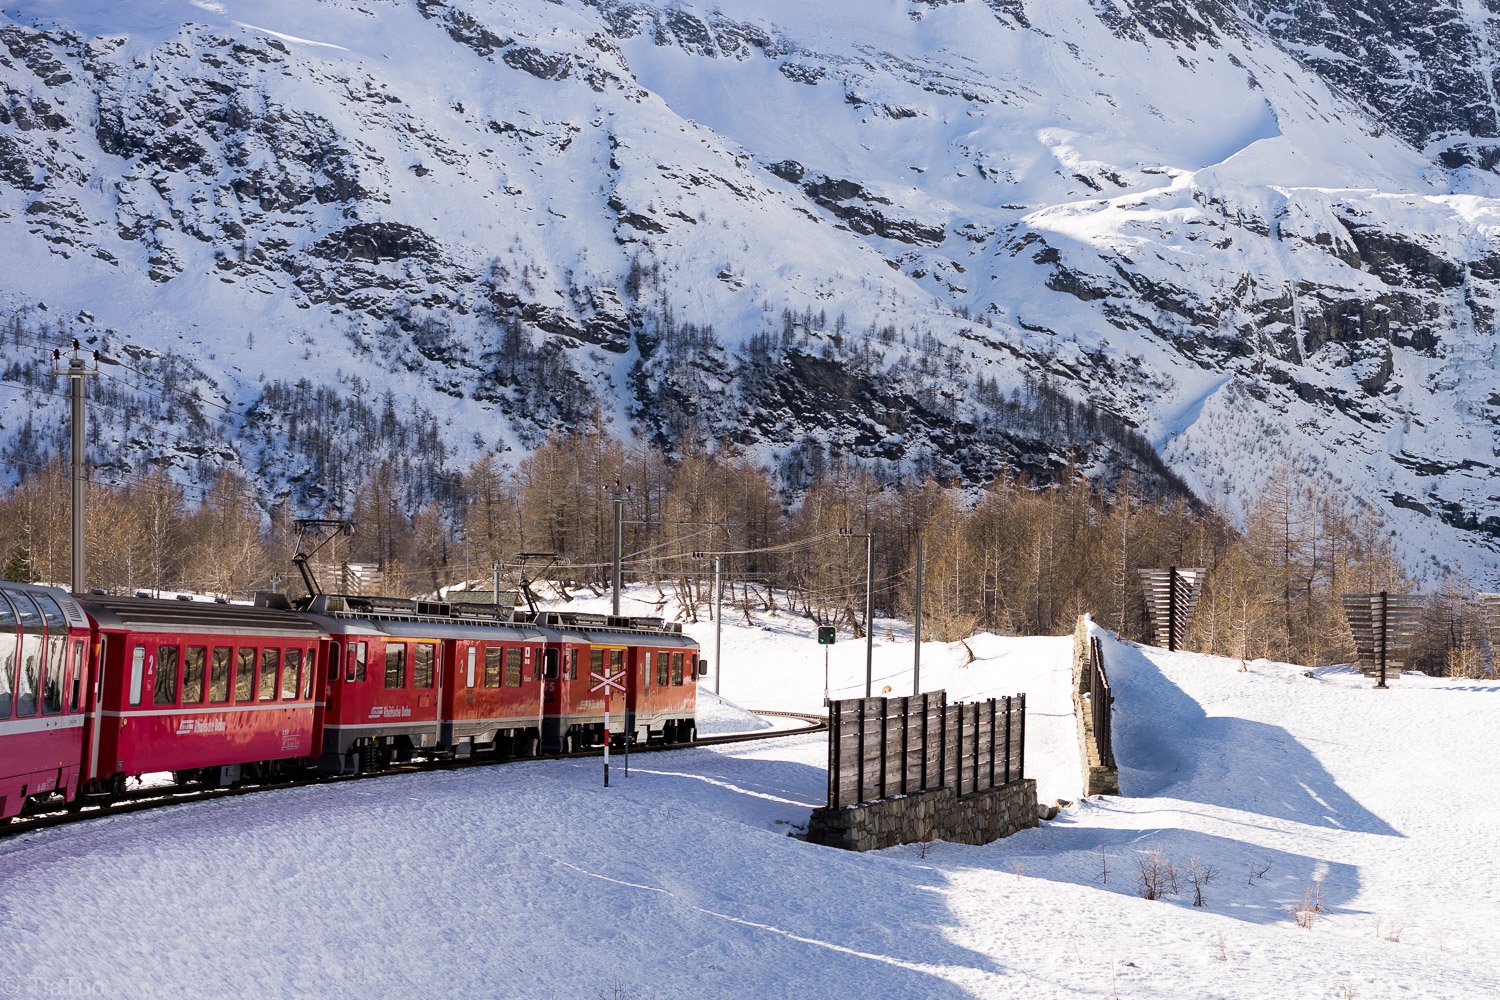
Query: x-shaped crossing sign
[[606, 683]]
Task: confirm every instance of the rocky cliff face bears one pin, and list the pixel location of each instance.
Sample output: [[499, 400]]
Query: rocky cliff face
[[926, 235]]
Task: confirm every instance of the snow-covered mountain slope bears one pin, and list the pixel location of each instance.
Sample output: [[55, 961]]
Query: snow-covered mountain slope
[[1257, 236]]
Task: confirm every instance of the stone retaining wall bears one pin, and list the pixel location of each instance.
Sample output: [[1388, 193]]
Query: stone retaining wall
[[1097, 779], [937, 814]]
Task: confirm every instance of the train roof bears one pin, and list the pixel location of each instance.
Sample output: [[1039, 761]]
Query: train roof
[[604, 630], [156, 615], [71, 610], [358, 614]]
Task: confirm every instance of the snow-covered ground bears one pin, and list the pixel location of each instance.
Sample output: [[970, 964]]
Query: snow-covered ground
[[532, 881]]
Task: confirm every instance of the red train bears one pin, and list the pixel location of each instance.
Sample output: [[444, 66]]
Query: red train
[[95, 690]]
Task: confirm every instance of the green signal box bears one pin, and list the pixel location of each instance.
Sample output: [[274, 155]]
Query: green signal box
[[826, 635]]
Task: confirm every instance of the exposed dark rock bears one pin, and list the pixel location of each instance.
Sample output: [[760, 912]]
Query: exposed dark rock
[[464, 28], [1412, 63], [374, 242], [802, 73]]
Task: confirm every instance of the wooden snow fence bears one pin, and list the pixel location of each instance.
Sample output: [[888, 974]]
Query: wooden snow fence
[[883, 747]]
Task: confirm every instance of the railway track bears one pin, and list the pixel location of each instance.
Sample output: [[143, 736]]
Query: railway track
[[143, 799]]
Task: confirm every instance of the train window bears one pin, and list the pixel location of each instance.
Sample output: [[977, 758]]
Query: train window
[[29, 674], [164, 687], [492, 658], [549, 664], [596, 661], [57, 652], [646, 671], [663, 669], [218, 675], [512, 668], [270, 659], [52, 683], [77, 676], [244, 675], [677, 670], [616, 660], [348, 666], [691, 673], [137, 672], [572, 664], [424, 653], [10, 646], [395, 665], [52, 613], [307, 674], [194, 659], [361, 651], [291, 675], [473, 655]]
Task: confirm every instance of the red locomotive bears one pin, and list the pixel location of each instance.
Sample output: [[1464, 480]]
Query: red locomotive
[[425, 676], [660, 667], [97, 689]]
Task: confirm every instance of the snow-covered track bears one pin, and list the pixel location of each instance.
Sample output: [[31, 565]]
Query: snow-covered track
[[144, 799]]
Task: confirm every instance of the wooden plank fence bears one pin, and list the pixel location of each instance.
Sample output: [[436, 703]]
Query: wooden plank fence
[[1383, 626], [882, 747], [1101, 702]]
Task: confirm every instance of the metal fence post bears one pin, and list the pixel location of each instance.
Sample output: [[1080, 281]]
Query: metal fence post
[[905, 744], [958, 751], [975, 786], [1021, 749], [860, 765], [835, 736], [925, 743], [885, 742], [993, 741]]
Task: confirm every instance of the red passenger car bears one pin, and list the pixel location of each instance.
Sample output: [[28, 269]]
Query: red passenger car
[[211, 692], [44, 687]]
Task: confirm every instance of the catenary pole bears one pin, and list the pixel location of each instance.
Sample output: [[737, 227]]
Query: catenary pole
[[76, 372], [718, 624], [869, 613], [619, 501]]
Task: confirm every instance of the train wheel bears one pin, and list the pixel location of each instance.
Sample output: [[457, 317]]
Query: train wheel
[[567, 743], [689, 732], [669, 732]]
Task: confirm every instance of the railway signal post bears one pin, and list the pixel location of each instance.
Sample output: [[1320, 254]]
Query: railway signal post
[[608, 684], [826, 636]]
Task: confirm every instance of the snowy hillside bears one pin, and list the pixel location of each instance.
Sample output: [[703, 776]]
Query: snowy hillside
[[844, 229], [531, 881]]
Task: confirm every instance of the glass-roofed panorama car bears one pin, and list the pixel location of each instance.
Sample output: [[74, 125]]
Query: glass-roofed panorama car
[[425, 678], [211, 692], [44, 695]]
